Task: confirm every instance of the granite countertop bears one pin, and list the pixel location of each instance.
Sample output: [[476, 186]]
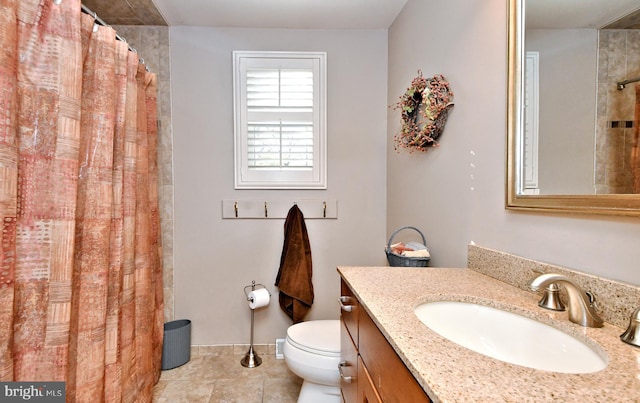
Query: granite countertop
[[451, 373]]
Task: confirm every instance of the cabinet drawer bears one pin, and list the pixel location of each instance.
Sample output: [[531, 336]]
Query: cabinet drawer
[[348, 366], [390, 376], [366, 390], [349, 308]]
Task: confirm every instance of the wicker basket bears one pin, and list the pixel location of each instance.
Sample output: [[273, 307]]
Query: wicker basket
[[405, 261]]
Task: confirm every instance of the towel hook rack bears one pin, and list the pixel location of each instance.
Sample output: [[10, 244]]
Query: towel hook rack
[[261, 208]]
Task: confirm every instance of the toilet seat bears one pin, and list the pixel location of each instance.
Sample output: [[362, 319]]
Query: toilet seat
[[321, 337]]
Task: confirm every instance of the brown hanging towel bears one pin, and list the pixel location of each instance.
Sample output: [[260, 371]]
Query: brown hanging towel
[[294, 275]]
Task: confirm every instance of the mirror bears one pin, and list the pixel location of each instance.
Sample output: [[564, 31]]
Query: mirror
[[571, 132]]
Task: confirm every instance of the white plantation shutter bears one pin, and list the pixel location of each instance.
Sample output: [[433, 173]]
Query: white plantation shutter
[[280, 118], [279, 122]]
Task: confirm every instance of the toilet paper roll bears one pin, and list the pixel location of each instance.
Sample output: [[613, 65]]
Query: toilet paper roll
[[258, 298]]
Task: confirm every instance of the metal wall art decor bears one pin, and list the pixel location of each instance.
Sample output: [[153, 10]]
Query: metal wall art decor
[[424, 109]]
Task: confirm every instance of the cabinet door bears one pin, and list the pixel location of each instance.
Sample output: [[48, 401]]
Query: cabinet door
[[366, 390], [349, 308], [348, 366], [390, 376]]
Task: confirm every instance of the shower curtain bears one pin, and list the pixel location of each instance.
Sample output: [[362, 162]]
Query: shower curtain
[[80, 268]]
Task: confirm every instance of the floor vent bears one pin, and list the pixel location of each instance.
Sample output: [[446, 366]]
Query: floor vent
[[279, 349]]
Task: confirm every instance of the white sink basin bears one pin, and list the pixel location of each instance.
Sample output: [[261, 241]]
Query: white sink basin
[[510, 337]]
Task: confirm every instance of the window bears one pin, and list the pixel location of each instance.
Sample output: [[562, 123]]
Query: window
[[280, 120]]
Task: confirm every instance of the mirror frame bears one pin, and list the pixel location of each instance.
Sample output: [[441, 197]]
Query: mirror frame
[[618, 204]]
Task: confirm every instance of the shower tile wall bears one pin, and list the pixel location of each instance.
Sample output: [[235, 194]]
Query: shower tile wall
[[618, 59], [152, 44]]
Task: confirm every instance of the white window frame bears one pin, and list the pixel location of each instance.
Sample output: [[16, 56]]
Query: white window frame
[[275, 178]]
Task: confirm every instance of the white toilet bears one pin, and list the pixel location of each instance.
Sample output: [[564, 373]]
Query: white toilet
[[312, 351]]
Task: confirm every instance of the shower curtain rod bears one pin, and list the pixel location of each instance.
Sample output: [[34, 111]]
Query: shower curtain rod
[[623, 84], [100, 21]]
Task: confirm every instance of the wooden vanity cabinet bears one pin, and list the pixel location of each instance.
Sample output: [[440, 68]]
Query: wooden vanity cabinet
[[367, 392], [349, 308], [391, 378], [381, 374], [349, 375]]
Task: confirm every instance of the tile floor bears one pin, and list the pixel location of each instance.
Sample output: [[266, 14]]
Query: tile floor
[[214, 375]]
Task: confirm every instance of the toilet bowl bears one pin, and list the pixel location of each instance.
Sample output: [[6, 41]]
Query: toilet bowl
[[312, 351]]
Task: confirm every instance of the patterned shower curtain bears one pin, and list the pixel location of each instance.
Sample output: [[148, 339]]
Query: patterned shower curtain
[[80, 268]]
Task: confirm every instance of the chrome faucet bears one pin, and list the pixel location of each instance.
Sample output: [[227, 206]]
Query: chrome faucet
[[632, 334], [580, 304]]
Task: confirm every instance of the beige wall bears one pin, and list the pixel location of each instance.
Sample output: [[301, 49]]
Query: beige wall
[[456, 193], [216, 258]]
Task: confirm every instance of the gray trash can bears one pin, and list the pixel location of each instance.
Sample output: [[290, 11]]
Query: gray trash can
[[176, 348]]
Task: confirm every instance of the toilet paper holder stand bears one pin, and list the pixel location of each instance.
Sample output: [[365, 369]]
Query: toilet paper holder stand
[[251, 359]]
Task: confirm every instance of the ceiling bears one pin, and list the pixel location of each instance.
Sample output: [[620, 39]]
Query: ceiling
[[344, 14], [554, 14], [294, 14]]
